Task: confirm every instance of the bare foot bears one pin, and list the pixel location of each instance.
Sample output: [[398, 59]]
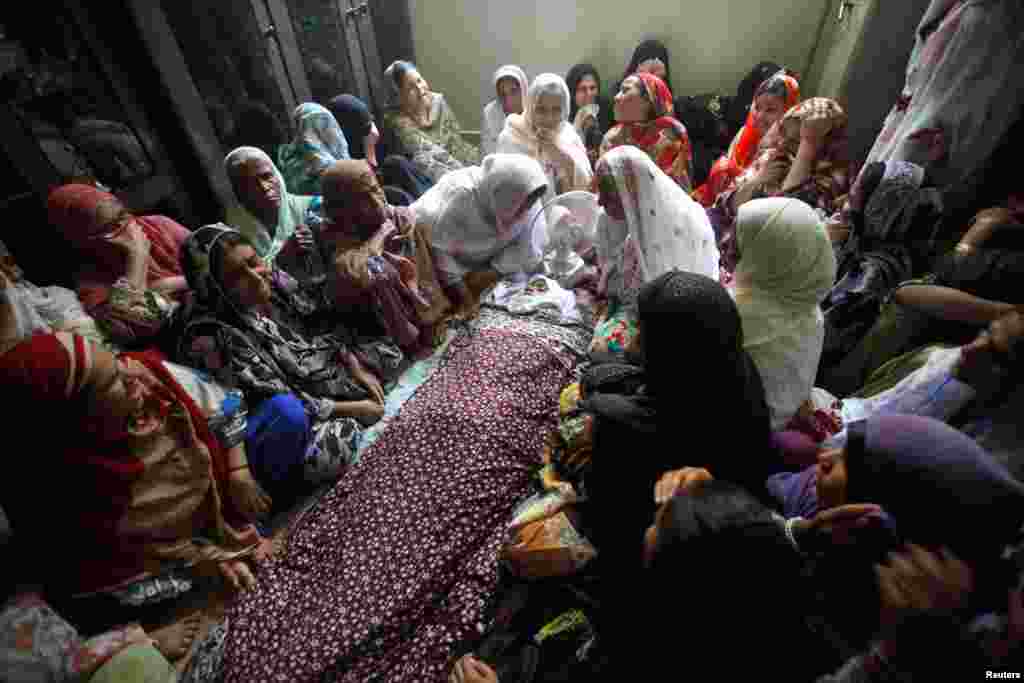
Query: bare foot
[[175, 640]]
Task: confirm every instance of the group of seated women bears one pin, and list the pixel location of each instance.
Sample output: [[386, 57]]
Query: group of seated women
[[824, 445]]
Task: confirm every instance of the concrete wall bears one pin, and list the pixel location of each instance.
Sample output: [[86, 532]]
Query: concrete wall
[[459, 43]]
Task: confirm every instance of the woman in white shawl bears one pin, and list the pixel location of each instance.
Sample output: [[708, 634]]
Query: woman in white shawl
[[510, 84], [961, 96], [26, 309], [543, 132], [786, 267], [276, 221], [649, 226], [484, 218]]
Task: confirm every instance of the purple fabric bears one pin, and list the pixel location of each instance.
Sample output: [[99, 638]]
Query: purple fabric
[[941, 487], [389, 575], [795, 448], [796, 492]]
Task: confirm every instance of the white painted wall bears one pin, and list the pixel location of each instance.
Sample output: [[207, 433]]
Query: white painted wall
[[712, 44]]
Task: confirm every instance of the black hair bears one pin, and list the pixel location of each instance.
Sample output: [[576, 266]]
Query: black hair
[[257, 126], [648, 49], [724, 566]]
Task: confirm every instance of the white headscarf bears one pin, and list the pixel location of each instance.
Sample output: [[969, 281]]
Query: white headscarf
[[494, 114], [470, 215], [664, 228], [786, 268], [521, 136]]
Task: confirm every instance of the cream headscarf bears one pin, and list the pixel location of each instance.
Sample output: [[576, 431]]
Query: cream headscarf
[[494, 114], [786, 268], [521, 136], [664, 228]]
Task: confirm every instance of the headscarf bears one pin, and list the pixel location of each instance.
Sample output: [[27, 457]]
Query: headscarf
[[782, 85], [466, 216], [74, 211], [649, 49], [393, 75], [786, 268], [664, 229], [572, 81], [890, 209], [713, 341], [101, 468], [197, 262], [709, 355], [830, 174], [697, 378], [709, 538], [739, 108], [662, 137], [267, 241], [308, 364], [521, 136], [592, 135], [355, 120], [941, 488], [319, 142], [494, 113], [511, 71]]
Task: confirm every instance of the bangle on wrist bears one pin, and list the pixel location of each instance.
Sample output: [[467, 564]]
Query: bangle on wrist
[[791, 532], [238, 467]]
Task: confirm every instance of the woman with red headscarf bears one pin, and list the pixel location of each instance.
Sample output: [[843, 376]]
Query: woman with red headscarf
[[644, 118], [772, 100], [148, 478], [130, 279]]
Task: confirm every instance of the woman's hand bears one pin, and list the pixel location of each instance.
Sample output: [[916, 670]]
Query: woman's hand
[[132, 240], [304, 238], [237, 574], [986, 224], [469, 669], [919, 581], [679, 481], [367, 412], [814, 128], [366, 378], [250, 499]]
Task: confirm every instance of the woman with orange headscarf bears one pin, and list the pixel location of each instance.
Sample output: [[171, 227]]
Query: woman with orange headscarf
[[645, 118], [772, 100], [130, 279]]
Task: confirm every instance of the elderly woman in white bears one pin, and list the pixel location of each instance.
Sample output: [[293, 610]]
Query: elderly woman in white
[[543, 132]]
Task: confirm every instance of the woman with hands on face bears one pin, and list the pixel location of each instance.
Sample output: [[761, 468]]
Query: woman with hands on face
[[129, 279]]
